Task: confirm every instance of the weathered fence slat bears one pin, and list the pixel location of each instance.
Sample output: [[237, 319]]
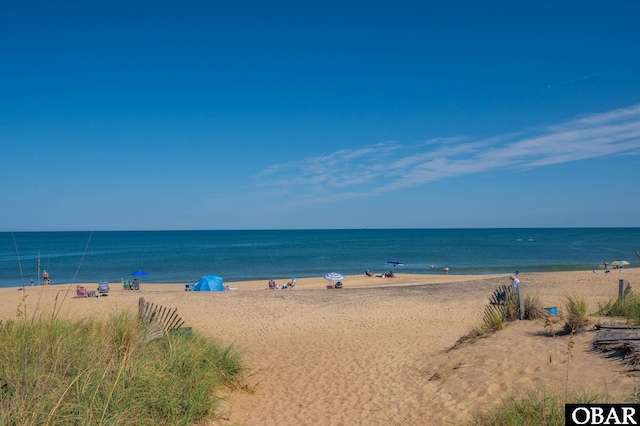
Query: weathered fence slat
[[500, 301], [161, 320]]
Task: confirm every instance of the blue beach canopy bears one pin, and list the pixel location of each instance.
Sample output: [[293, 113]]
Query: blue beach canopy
[[209, 283]]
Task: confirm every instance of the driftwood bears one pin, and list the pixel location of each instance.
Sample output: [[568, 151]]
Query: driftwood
[[623, 338], [159, 320]]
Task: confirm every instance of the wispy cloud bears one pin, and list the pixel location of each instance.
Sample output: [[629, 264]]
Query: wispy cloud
[[389, 166]]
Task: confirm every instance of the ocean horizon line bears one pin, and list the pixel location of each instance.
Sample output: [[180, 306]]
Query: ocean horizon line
[[325, 229]]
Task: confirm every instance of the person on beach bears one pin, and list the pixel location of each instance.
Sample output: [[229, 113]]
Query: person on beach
[[606, 265], [45, 277], [515, 282]]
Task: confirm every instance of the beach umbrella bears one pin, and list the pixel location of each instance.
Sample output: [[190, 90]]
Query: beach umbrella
[[333, 276], [139, 273], [394, 263], [617, 263]]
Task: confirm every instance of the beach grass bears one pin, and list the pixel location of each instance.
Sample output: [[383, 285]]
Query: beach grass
[[533, 307], [535, 409], [60, 371], [628, 307], [495, 319], [576, 316]]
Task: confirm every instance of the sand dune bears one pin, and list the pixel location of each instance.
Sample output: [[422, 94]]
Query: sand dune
[[379, 350]]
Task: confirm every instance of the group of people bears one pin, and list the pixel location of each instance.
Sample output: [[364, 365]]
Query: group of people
[[274, 286], [389, 274]]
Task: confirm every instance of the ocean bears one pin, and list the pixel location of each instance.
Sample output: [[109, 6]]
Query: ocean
[[185, 256]]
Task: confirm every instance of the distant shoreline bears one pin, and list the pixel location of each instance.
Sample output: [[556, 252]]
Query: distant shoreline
[[349, 281]]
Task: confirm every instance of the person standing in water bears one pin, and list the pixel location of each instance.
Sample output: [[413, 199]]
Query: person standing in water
[[45, 277]]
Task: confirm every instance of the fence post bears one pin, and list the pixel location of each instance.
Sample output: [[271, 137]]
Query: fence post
[[521, 301], [620, 290]]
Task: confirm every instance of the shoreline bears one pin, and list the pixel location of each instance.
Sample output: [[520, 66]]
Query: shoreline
[[350, 281], [355, 280]]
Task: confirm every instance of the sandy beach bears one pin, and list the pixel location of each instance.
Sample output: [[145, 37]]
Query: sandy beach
[[377, 352]]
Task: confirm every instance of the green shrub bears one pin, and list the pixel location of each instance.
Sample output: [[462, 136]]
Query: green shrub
[[89, 372], [493, 321]]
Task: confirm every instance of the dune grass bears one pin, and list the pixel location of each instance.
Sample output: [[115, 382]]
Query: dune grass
[[496, 319], [533, 308], [535, 409], [103, 372], [628, 307], [576, 315]]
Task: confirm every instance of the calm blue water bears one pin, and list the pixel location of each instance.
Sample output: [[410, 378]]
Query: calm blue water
[[185, 256]]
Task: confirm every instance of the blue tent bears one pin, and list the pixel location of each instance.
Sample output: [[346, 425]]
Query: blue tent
[[209, 283]]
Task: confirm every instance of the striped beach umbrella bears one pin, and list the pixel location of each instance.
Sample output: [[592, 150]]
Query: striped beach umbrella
[[333, 276]]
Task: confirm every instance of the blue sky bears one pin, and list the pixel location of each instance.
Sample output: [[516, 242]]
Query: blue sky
[[128, 115]]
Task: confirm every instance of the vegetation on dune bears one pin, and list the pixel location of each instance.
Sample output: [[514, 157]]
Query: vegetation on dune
[[104, 372], [535, 409], [576, 315], [628, 307]]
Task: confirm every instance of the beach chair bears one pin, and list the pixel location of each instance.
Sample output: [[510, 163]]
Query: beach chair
[[272, 285], [103, 288], [126, 285], [81, 291], [338, 285]]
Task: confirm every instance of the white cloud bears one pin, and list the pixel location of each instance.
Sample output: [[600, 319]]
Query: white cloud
[[388, 166]]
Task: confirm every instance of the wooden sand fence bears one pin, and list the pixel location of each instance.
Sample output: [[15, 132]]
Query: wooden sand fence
[[159, 320], [502, 302]]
